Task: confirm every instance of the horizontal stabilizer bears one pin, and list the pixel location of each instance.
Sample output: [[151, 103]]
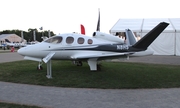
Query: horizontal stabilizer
[[144, 42], [142, 53]]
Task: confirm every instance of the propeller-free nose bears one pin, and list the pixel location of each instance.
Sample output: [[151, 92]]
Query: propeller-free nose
[[21, 51]]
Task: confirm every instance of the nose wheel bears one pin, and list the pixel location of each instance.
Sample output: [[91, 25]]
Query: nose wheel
[[39, 67]]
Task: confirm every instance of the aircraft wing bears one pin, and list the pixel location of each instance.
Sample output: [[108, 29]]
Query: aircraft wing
[[100, 56]]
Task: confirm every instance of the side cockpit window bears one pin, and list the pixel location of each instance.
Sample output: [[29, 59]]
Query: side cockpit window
[[55, 40], [80, 40], [69, 40]]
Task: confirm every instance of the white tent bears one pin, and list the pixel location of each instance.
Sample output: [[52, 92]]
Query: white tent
[[168, 43], [11, 37]]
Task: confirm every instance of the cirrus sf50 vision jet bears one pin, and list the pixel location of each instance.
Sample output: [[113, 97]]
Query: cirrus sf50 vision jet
[[100, 46]]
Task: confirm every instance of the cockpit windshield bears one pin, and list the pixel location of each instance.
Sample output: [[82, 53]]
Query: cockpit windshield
[[55, 40]]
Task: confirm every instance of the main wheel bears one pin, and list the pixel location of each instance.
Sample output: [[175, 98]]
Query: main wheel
[[79, 63]]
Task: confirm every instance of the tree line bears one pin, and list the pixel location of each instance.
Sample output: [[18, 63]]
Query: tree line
[[28, 35]]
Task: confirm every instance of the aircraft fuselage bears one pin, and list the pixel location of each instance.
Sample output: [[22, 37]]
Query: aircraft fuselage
[[65, 49]]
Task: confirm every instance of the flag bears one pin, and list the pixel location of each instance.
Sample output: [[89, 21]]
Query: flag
[[82, 29], [41, 28]]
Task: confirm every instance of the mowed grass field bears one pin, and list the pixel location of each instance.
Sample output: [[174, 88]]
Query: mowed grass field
[[114, 75]]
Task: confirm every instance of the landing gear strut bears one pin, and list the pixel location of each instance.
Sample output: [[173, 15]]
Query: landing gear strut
[[39, 67], [78, 63]]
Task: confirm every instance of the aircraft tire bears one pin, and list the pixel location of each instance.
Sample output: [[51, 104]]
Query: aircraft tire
[[39, 68]]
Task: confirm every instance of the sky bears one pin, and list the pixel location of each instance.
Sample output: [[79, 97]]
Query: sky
[[65, 16]]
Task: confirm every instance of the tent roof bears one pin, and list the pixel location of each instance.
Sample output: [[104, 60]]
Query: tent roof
[[122, 24], [145, 25], [176, 23], [5, 35]]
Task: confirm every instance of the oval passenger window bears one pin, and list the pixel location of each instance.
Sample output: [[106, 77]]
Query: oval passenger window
[[90, 41], [80, 40], [69, 40]]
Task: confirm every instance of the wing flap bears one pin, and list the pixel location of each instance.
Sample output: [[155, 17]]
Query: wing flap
[[99, 56]]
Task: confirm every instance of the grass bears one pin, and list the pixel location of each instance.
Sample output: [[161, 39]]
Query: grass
[[10, 105], [112, 76]]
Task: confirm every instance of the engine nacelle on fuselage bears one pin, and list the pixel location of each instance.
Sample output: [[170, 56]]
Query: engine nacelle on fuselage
[[107, 37]]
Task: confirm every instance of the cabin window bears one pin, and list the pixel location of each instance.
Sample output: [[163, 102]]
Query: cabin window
[[55, 40], [80, 40], [69, 40], [90, 41]]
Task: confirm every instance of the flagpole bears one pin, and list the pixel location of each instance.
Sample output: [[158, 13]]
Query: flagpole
[[41, 28]]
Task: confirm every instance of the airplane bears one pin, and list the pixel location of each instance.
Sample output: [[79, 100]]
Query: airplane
[[19, 45], [16, 45], [31, 43], [80, 47]]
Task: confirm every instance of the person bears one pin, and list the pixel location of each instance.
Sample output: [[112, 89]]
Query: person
[[117, 34], [12, 49]]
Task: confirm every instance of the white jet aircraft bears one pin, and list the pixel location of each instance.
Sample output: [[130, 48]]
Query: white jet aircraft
[[100, 46], [16, 45]]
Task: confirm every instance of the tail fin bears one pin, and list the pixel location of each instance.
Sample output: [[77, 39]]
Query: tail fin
[[82, 29], [7, 41], [144, 42], [130, 37]]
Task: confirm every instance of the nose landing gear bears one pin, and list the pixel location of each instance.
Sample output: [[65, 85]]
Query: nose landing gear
[[39, 67]]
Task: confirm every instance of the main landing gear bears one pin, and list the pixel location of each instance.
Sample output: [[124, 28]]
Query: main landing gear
[[94, 66], [78, 63]]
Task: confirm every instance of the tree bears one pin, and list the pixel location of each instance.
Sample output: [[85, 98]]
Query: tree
[[29, 34]]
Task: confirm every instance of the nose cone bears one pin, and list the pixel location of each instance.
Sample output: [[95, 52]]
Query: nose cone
[[32, 51], [22, 51]]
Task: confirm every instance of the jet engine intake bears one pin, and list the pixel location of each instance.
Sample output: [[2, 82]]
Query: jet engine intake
[[108, 37]]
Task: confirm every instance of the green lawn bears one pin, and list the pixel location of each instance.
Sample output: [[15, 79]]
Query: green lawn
[[112, 76]]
